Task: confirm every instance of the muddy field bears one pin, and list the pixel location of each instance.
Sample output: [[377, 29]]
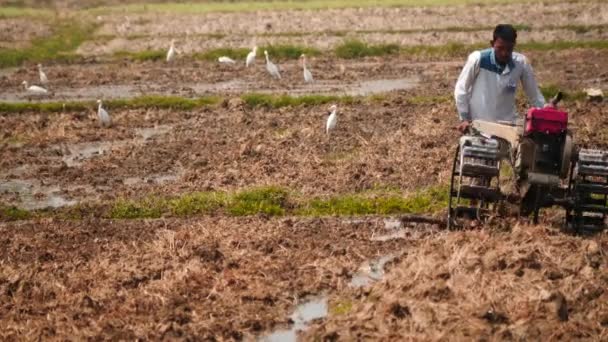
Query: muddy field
[[531, 283], [209, 278], [219, 277]]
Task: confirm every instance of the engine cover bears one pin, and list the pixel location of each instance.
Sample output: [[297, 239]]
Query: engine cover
[[546, 120]]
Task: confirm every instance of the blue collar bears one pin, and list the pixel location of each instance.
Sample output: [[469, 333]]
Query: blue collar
[[501, 69]]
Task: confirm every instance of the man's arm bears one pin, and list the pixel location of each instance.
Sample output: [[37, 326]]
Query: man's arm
[[464, 85], [535, 97]]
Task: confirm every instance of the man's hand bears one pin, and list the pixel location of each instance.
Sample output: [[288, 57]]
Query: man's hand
[[463, 126], [550, 105]]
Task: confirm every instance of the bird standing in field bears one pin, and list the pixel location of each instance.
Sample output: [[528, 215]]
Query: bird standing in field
[[332, 120], [251, 56], [171, 52], [103, 115], [273, 70], [34, 89], [307, 74], [226, 60], [43, 78]]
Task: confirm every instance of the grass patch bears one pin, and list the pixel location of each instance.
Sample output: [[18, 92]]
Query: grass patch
[[563, 45], [277, 101], [197, 203], [358, 49], [551, 90], [150, 101], [213, 55], [60, 46], [141, 56], [342, 308], [235, 53], [14, 214], [352, 49], [269, 200], [147, 208], [163, 102], [458, 49], [580, 29], [43, 107], [429, 200], [429, 100], [266, 200], [288, 51], [14, 12]]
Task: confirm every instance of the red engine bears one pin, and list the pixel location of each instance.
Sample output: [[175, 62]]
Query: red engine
[[546, 120]]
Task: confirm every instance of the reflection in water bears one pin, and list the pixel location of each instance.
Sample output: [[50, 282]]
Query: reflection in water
[[305, 313]]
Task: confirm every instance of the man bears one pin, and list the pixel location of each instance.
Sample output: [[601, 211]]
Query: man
[[485, 97], [488, 82]]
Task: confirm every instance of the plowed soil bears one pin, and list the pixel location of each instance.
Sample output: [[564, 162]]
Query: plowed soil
[[216, 277]]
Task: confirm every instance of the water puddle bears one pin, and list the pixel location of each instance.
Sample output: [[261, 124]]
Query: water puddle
[[394, 226], [393, 223], [70, 94], [151, 179], [305, 313], [80, 152], [150, 132], [234, 86], [387, 237], [371, 271], [33, 196]]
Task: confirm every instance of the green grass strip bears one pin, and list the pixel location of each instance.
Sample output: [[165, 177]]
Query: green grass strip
[[353, 49], [358, 49], [425, 201], [551, 90], [563, 45], [14, 214], [15, 12], [254, 100], [163, 102], [148, 101], [60, 46], [277, 201], [268, 200]]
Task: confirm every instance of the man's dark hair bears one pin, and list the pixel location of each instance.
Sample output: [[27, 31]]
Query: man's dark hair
[[505, 32]]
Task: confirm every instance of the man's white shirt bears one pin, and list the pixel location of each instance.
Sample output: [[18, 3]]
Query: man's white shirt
[[486, 91]]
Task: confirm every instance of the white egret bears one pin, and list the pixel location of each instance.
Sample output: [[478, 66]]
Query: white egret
[[307, 73], [332, 120], [273, 70], [251, 56], [43, 78], [34, 89], [171, 52], [226, 60], [103, 115]]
